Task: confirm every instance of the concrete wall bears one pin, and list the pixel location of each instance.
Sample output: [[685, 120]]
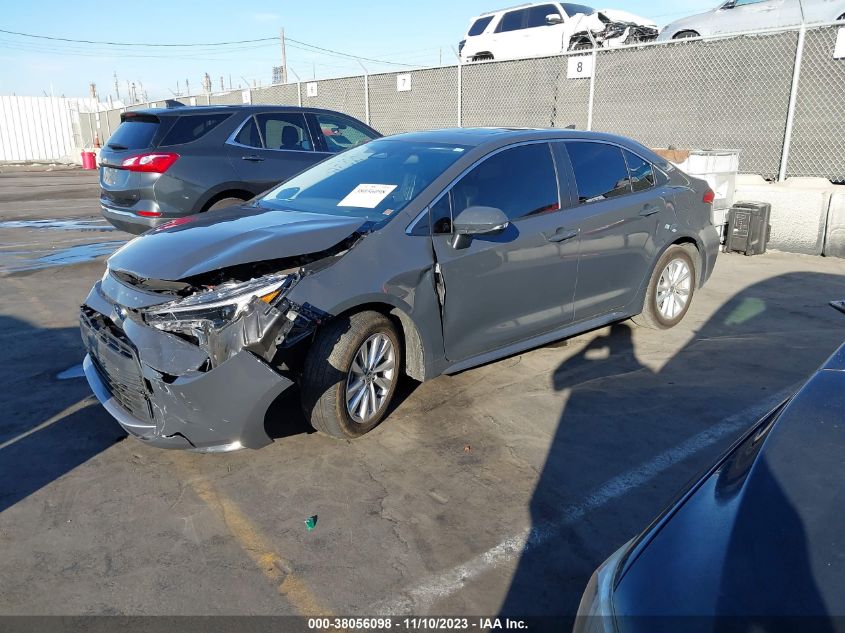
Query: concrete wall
[[834, 244], [801, 208]]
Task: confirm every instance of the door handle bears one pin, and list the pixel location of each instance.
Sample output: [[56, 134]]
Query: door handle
[[647, 211], [562, 234], [253, 158]]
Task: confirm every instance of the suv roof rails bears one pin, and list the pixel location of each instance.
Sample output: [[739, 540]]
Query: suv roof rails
[[516, 6]]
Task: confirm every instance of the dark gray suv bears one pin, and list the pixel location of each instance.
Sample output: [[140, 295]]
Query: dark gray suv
[[162, 164], [418, 254]]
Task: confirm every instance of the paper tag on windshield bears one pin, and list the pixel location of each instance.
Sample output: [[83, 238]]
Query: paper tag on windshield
[[366, 196]]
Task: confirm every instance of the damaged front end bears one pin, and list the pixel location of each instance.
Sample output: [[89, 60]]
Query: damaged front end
[[610, 29], [196, 363]]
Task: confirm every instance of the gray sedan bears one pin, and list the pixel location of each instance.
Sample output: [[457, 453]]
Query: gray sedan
[[736, 16], [417, 255]]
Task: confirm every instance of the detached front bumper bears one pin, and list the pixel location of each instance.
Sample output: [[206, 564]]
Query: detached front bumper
[[216, 410]]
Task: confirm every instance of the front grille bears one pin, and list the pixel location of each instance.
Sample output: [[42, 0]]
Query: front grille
[[116, 362]]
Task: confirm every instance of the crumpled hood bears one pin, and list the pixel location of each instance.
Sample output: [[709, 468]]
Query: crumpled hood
[[593, 22], [229, 237]]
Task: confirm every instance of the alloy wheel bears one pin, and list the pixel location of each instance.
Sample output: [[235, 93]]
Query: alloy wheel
[[370, 378], [673, 289]]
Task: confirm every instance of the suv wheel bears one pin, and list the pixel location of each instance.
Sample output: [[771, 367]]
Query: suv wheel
[[350, 375], [670, 289]]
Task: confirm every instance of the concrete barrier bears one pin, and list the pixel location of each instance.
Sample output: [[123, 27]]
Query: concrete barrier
[[799, 210], [834, 244]]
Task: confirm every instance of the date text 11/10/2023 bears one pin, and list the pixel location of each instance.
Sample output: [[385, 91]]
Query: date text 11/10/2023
[[416, 624]]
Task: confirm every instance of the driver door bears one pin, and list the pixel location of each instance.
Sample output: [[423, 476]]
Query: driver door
[[519, 283]]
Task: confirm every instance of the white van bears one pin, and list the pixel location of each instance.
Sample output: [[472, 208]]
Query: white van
[[536, 30]]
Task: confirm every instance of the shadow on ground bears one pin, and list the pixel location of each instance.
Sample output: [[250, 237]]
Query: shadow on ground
[[611, 392]]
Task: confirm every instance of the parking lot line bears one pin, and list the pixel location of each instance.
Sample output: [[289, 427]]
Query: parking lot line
[[82, 404], [275, 568], [419, 598]]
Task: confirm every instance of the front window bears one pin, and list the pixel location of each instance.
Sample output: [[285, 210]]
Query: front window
[[373, 181], [341, 133]]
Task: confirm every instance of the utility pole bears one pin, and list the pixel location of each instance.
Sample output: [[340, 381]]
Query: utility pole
[[92, 89], [206, 83], [284, 57], [116, 87], [187, 87], [222, 85]]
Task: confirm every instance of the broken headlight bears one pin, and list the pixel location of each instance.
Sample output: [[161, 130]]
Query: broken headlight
[[196, 317]]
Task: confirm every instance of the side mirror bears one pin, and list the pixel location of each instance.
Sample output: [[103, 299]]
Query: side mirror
[[554, 18], [729, 5], [477, 221]]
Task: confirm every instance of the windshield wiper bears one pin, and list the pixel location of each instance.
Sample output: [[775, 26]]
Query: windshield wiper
[[116, 146]]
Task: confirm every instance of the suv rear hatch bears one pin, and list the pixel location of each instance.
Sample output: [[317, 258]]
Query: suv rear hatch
[[137, 132]]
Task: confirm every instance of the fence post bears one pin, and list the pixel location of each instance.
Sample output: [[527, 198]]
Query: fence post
[[592, 88], [793, 96], [299, 93], [367, 98], [460, 94]]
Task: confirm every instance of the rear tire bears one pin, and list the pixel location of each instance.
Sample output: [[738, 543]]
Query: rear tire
[[685, 35], [350, 375], [671, 289], [225, 202]]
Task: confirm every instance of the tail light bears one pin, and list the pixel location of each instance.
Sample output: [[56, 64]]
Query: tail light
[[709, 196], [152, 162]]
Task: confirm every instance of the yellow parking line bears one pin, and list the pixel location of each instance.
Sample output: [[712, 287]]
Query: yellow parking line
[[253, 543]]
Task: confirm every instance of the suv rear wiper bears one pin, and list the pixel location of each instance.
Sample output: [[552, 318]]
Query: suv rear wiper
[[116, 146]]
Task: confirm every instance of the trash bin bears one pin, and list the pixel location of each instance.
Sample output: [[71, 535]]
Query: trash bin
[[89, 160], [749, 229]]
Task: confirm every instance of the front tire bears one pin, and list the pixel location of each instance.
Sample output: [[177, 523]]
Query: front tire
[[350, 375], [670, 289]]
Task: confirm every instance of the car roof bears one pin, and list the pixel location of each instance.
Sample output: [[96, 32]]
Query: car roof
[[222, 109], [478, 136]]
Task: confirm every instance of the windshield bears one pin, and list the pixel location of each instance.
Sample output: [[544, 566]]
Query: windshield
[[574, 9], [373, 181]]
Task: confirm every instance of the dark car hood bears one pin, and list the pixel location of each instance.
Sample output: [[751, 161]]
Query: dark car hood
[[237, 235], [764, 534]]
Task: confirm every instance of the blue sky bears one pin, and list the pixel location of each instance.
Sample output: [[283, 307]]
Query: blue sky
[[415, 34]]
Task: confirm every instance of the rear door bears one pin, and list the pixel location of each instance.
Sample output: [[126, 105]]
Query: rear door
[[270, 147], [621, 203], [520, 283]]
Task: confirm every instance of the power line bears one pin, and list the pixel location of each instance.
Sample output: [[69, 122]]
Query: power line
[[65, 39]]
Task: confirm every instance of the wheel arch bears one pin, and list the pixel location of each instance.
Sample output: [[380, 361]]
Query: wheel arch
[[233, 192], [413, 357]]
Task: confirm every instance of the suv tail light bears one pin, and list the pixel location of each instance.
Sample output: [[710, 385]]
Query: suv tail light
[[152, 162], [709, 196]]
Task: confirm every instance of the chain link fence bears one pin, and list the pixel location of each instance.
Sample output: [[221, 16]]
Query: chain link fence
[[818, 133], [422, 100], [727, 93]]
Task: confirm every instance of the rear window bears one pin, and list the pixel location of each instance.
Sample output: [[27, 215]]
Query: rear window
[[600, 171], [479, 25], [134, 133], [191, 128]]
